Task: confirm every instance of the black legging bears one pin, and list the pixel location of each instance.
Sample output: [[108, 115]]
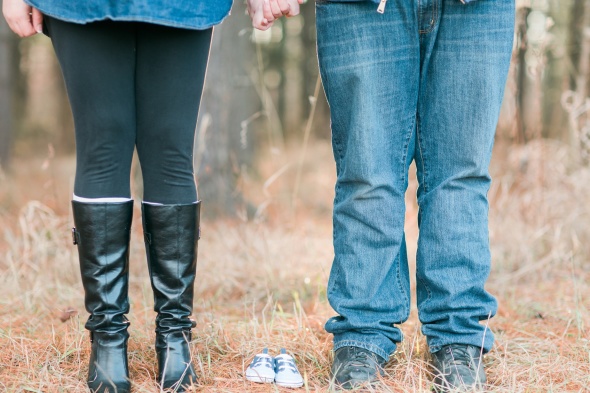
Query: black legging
[[133, 84]]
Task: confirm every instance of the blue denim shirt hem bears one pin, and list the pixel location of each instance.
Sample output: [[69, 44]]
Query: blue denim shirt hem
[[195, 22], [360, 343]]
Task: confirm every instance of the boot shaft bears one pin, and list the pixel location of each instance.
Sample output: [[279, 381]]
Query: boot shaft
[[102, 232], [171, 238]]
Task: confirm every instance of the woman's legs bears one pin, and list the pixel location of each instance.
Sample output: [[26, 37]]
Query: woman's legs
[[170, 73], [135, 84], [98, 64]]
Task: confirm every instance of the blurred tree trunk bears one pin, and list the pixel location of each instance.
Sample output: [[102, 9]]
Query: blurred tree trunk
[[582, 82], [309, 63], [292, 107], [224, 148], [8, 60], [579, 54], [583, 63], [556, 74], [521, 74]]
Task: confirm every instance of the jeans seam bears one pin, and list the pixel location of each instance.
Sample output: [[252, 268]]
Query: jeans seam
[[419, 141], [405, 156], [434, 18], [405, 182], [425, 287], [399, 282], [337, 188]]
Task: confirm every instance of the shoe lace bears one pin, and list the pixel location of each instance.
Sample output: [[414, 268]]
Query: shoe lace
[[460, 356], [360, 359], [261, 361], [283, 364]]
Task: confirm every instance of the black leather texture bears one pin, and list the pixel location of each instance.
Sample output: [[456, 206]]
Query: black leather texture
[[102, 233], [171, 237]]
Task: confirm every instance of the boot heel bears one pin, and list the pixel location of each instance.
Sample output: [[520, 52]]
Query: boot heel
[[108, 366]]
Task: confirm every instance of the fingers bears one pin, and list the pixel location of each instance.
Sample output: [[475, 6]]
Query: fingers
[[18, 17], [285, 6], [37, 20], [275, 9], [294, 8], [262, 17], [23, 27], [267, 11], [279, 8], [261, 23], [266, 25]]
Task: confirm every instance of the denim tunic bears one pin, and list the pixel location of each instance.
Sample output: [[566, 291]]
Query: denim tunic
[[190, 14]]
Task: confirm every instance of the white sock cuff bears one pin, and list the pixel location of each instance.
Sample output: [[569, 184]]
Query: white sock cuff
[[100, 200], [161, 204], [153, 203]]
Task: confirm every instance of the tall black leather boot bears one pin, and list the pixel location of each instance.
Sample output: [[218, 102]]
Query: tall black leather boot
[[102, 235], [171, 238]]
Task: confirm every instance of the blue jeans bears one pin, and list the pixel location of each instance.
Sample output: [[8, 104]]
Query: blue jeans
[[424, 81]]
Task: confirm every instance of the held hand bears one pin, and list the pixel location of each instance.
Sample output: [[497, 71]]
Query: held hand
[[261, 14], [286, 8], [280, 8], [265, 12], [23, 19]]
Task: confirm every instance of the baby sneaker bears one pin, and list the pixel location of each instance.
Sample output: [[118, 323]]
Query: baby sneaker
[[286, 373], [261, 369]]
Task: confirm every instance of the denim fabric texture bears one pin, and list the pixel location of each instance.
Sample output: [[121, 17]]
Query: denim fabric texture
[[378, 1], [424, 81], [190, 14]]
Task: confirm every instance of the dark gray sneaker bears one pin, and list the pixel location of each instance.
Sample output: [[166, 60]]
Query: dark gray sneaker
[[458, 368], [355, 367]]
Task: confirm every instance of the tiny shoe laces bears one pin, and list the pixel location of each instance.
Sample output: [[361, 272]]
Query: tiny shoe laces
[[261, 370], [286, 373]]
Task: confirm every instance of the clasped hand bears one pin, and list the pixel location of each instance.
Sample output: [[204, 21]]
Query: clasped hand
[[265, 12], [23, 19]]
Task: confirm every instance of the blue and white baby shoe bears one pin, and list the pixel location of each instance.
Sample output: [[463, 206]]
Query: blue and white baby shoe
[[262, 368], [286, 373]]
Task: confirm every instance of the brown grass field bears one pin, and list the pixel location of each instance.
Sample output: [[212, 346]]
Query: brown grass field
[[261, 280]]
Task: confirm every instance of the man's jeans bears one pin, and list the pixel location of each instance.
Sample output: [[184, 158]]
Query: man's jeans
[[424, 81]]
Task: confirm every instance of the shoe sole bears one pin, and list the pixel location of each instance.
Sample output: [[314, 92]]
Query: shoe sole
[[289, 384], [464, 389], [358, 384], [259, 379]]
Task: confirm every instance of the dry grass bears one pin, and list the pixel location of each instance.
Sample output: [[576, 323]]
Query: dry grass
[[261, 283]]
